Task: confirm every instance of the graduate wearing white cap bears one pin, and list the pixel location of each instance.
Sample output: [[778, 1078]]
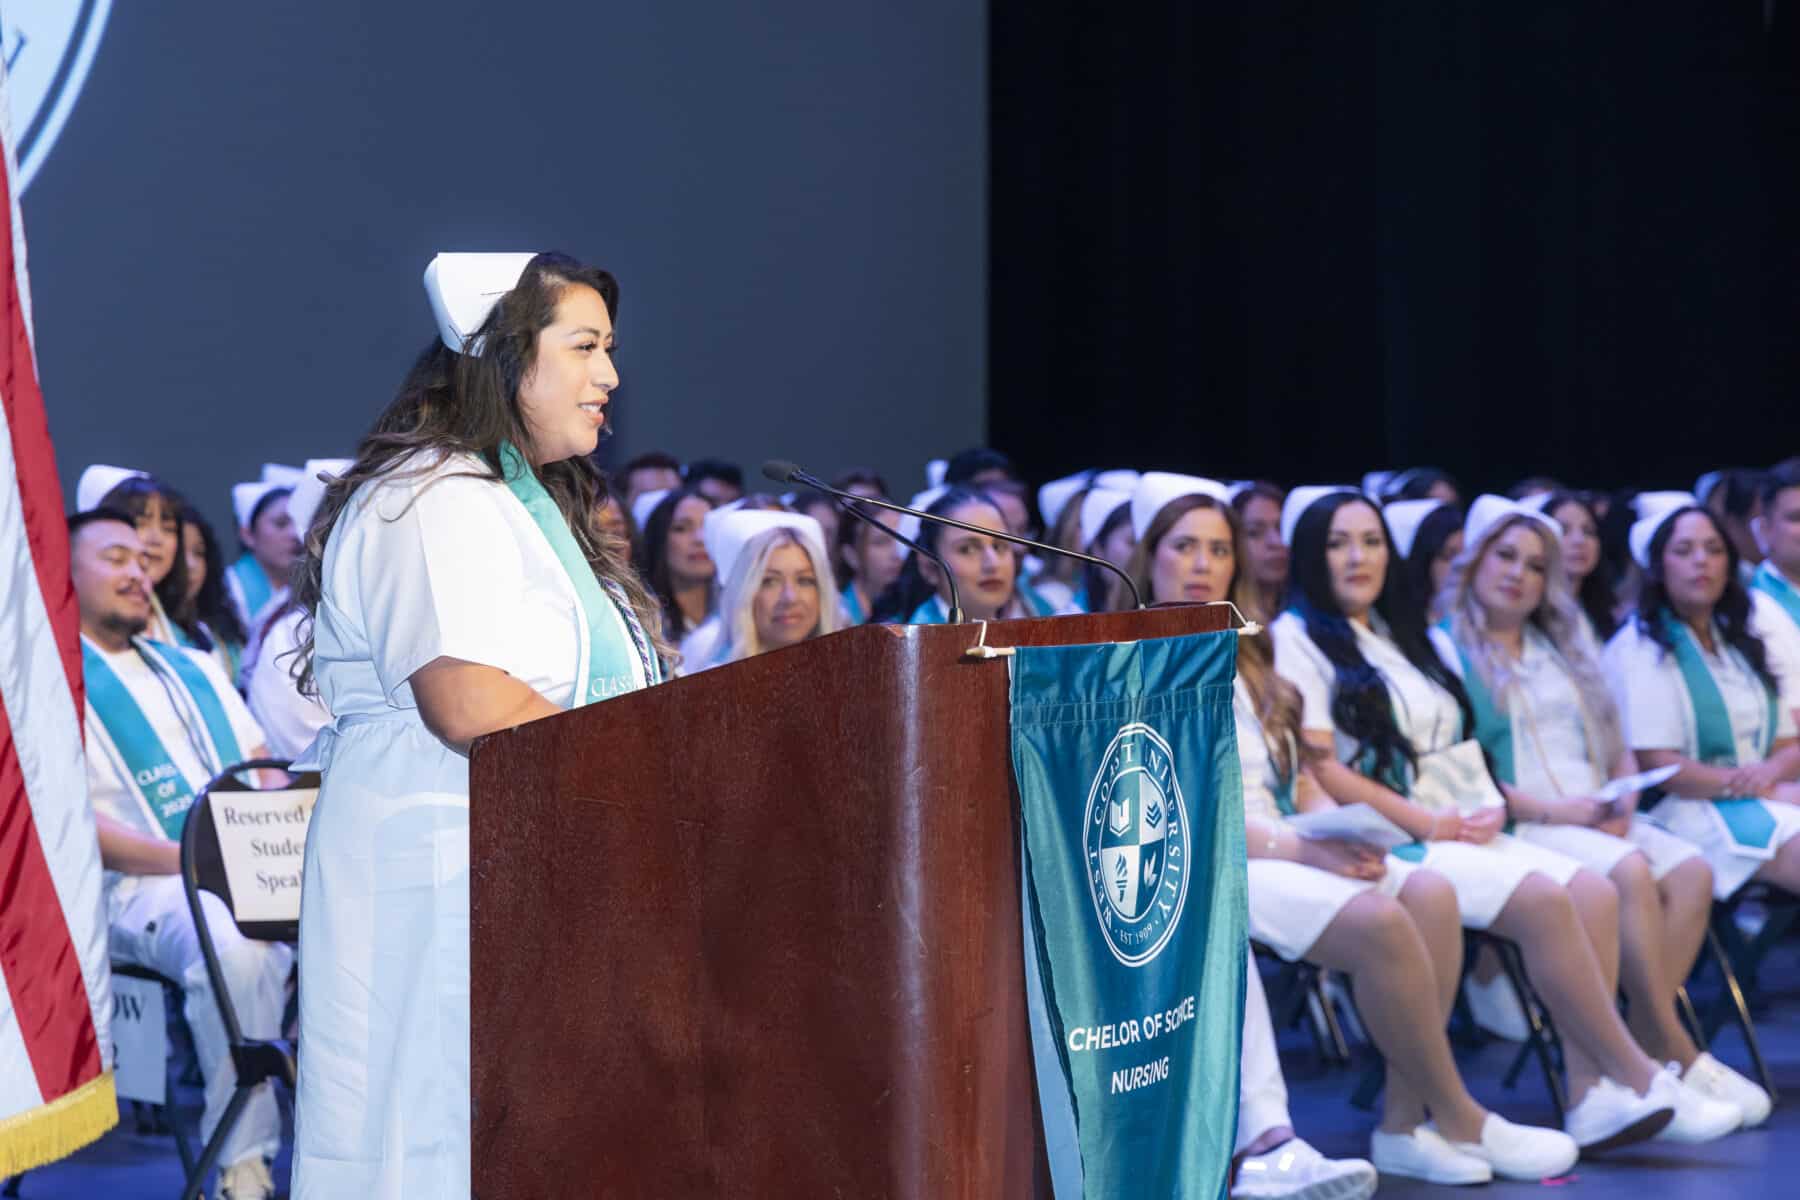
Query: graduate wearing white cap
[[453, 600], [258, 581], [1104, 530], [1384, 720], [152, 507], [777, 586], [1685, 677]]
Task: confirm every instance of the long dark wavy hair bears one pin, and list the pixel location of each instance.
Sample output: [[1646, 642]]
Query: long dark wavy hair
[[212, 606], [1360, 704], [901, 598], [653, 559], [453, 403], [1731, 614], [1439, 525], [1595, 595]]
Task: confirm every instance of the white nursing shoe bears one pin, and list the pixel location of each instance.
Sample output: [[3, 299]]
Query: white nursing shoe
[[1424, 1154], [1521, 1151], [1296, 1171]]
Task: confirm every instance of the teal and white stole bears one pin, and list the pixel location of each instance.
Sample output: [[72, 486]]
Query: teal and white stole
[[1773, 583], [254, 585], [1493, 728], [932, 612], [853, 607], [159, 783], [614, 654], [1746, 818], [1034, 601]]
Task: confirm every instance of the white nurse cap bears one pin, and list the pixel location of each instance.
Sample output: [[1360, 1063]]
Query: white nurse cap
[[909, 524], [463, 289], [281, 474], [1303, 498], [1404, 518], [1654, 510], [315, 477], [1375, 482], [1157, 489], [728, 534], [246, 496], [1096, 507], [645, 504], [1118, 481], [935, 471], [98, 480], [1053, 497], [1490, 511]]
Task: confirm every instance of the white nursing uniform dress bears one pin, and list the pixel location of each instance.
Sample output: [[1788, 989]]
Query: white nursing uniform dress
[[440, 565], [291, 719], [1484, 877], [1653, 699], [1291, 904], [1552, 759]]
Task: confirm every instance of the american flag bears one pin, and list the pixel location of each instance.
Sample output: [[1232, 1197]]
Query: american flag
[[56, 1086]]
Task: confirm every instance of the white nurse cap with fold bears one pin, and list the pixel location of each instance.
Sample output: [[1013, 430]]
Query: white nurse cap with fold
[[934, 473], [98, 480], [463, 289], [1118, 481], [1490, 511], [310, 489], [1054, 497], [909, 524], [1404, 518], [1303, 498], [1157, 489], [281, 474], [246, 496], [1654, 510], [726, 534], [644, 505], [1096, 507]]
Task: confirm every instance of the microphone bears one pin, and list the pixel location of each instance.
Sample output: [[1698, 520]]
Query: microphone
[[783, 471]]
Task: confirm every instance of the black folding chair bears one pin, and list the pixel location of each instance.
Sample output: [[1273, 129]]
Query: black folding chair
[[1298, 987], [1738, 957], [203, 869]]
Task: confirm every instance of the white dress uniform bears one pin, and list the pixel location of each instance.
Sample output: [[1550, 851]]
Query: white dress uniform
[[1484, 877], [148, 920], [291, 720], [436, 565], [1653, 699], [1552, 759], [1291, 904]]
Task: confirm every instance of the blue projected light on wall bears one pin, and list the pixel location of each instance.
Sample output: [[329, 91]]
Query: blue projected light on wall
[[49, 46]]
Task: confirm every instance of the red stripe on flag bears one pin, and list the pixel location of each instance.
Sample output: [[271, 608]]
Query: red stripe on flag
[[43, 972]]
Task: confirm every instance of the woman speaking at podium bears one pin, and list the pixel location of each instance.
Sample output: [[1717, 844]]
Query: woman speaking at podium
[[457, 588]]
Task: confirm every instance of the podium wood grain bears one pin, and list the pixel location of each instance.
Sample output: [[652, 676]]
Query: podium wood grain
[[756, 932]]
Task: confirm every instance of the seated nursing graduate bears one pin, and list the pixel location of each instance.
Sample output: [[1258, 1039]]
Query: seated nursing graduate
[[1105, 532], [1270, 1161], [155, 510], [1775, 588], [160, 722], [460, 593], [1428, 537], [1386, 724], [1590, 579], [1704, 688], [1553, 735], [872, 560], [204, 611], [985, 568], [1340, 903], [1734, 497], [1258, 508], [259, 579], [291, 718], [778, 588], [673, 560]]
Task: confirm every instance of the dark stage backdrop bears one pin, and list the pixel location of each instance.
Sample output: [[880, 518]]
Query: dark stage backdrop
[[227, 240], [1304, 240]]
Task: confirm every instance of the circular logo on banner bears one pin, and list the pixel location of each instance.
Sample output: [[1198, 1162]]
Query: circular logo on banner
[[1135, 835], [49, 46]]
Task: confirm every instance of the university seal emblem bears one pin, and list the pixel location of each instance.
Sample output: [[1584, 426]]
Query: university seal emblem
[[49, 46], [1135, 835]]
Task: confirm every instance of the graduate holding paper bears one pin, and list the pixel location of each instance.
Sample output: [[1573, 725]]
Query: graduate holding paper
[[459, 589]]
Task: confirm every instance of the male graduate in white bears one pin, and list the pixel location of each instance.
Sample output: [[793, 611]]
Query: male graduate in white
[[160, 722]]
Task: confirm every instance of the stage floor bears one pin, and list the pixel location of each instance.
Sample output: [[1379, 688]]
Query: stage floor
[[126, 1165]]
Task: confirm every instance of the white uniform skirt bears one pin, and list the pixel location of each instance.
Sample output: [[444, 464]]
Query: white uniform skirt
[[1485, 877], [1292, 904], [383, 1098], [1601, 852], [1697, 822]]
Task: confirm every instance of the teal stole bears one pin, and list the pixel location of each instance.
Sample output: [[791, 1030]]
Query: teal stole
[[932, 612], [1746, 817], [1770, 581], [1034, 600], [613, 654], [159, 782], [853, 608], [254, 582], [1493, 728]]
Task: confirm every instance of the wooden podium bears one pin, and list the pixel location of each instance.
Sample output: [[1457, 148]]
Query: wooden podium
[[756, 932]]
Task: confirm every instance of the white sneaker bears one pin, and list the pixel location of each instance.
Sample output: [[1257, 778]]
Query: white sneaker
[[1496, 1008], [1612, 1115], [1716, 1081], [1295, 1171], [1524, 1152], [1424, 1154], [247, 1179], [1698, 1117]]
